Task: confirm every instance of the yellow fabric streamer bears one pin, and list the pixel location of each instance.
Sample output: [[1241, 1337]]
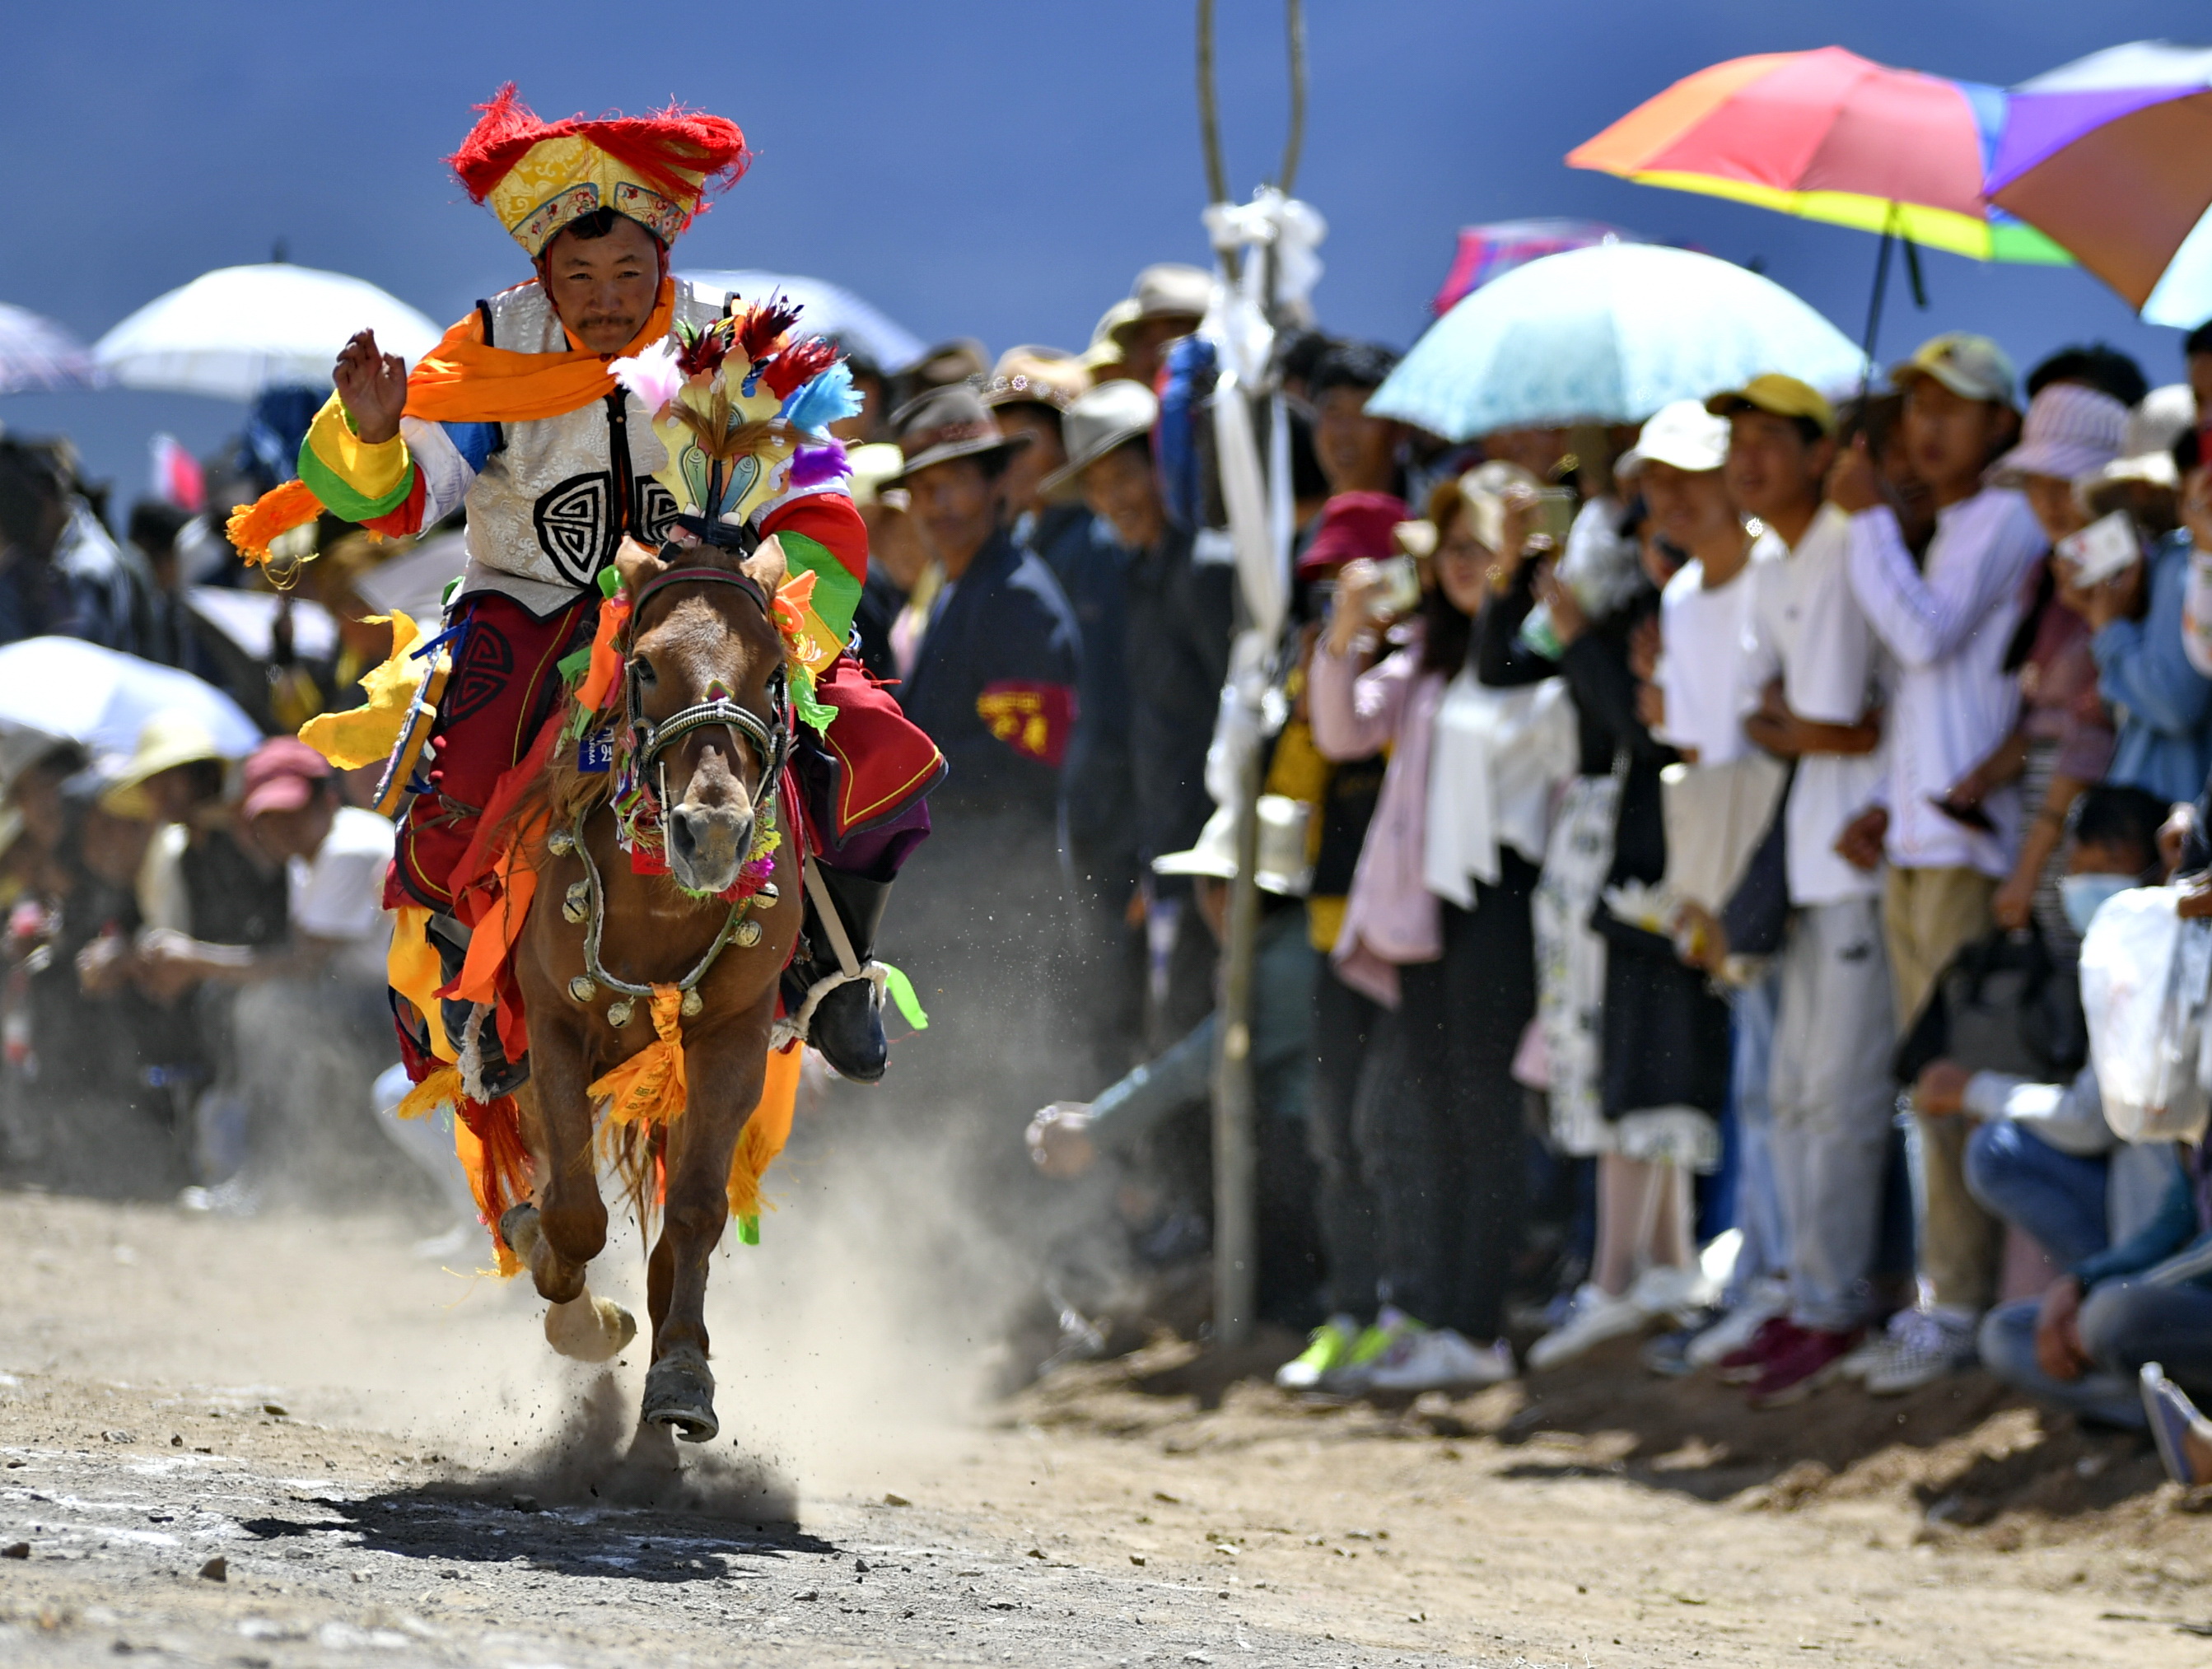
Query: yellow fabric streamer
[[411, 967], [442, 1087], [366, 735], [651, 1084]]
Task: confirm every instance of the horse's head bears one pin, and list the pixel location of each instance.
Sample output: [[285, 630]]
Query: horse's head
[[706, 698]]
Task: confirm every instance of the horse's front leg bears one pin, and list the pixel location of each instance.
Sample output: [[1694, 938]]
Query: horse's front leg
[[565, 1228], [727, 1074]]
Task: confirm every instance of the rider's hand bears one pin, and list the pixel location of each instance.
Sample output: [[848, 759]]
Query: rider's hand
[[1059, 1141], [1940, 1090], [372, 388]]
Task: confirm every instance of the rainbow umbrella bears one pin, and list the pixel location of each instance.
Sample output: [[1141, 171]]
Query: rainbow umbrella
[[2112, 155], [1829, 136]]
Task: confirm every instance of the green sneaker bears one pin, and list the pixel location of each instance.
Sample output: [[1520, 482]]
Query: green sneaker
[[1352, 1373], [1328, 1348]]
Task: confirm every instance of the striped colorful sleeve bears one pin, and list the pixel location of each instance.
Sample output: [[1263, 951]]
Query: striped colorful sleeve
[[356, 481]]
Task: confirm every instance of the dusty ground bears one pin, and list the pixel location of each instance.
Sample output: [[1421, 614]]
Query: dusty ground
[[391, 1469]]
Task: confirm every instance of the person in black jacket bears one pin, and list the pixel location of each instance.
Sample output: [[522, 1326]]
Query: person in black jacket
[[1178, 599], [993, 685]]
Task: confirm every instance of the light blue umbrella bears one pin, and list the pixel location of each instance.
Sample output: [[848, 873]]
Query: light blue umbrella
[[1607, 335]]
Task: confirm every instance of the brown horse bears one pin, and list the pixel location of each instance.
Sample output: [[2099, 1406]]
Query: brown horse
[[703, 687]]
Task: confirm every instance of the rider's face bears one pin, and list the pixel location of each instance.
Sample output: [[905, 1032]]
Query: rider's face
[[604, 288]]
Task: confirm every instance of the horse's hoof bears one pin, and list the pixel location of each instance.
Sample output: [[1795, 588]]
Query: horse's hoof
[[589, 1329], [517, 1227], [679, 1392]]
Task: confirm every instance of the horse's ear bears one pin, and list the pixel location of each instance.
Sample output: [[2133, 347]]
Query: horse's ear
[[767, 566], [637, 564]]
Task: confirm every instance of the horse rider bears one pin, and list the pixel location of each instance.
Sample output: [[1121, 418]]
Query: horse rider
[[516, 417]]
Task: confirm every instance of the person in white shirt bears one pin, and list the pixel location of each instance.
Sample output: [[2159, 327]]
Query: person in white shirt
[[1946, 623], [1814, 671]]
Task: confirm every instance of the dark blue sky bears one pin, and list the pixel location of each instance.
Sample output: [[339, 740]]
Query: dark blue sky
[[994, 167]]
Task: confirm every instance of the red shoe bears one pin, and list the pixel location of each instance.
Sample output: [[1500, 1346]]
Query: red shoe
[[1811, 1360], [1741, 1367]]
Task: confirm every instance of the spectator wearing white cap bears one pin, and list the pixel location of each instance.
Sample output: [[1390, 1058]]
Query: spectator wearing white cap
[[1665, 1035], [2063, 741], [1948, 622]]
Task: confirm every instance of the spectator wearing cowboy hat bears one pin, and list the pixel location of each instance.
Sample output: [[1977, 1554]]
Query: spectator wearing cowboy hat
[[1027, 391], [1180, 598], [1165, 304], [994, 684]]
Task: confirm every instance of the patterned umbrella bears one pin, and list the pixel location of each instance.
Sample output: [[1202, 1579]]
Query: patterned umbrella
[[1829, 136], [2112, 155], [1607, 335], [1491, 250], [38, 356]]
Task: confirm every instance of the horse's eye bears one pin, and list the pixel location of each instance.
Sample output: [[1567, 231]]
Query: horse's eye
[[646, 675]]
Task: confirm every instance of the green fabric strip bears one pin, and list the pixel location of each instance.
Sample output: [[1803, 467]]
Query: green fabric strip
[[339, 498], [836, 592]]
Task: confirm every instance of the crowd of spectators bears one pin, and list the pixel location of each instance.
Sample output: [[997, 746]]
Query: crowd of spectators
[[1676, 847]]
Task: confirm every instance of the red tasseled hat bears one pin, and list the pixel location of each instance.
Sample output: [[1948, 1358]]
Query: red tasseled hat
[[676, 153]]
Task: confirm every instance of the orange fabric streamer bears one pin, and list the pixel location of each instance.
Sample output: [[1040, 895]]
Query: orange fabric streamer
[[606, 660], [764, 1133], [492, 937], [463, 381], [651, 1085], [252, 526]]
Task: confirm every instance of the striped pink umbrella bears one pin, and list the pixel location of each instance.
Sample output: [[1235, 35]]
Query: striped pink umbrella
[[38, 356]]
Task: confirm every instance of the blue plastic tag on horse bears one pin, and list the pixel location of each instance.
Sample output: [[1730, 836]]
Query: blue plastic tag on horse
[[595, 752]]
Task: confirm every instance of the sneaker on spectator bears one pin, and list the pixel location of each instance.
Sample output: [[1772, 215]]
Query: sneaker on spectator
[[2182, 1434], [1807, 1362], [1349, 1376], [1921, 1346], [1440, 1359], [1748, 1363], [1873, 1348], [1666, 1290], [1328, 1346], [1668, 1355], [1736, 1329], [1596, 1316]]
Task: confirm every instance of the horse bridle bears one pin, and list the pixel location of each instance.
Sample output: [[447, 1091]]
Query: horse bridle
[[771, 742]]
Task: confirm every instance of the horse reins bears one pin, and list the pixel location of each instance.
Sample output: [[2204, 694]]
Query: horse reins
[[771, 742]]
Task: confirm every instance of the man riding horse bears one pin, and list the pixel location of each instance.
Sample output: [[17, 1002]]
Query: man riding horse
[[520, 417]]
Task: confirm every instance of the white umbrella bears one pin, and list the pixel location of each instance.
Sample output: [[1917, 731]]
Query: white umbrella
[[64, 689], [248, 619], [414, 582], [237, 330], [38, 356], [825, 309], [1607, 335]]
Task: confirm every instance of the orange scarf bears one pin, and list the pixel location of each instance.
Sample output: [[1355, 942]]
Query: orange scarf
[[462, 381]]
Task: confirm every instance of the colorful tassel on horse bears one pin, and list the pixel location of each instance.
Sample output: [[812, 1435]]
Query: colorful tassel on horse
[[441, 1089], [651, 1086]]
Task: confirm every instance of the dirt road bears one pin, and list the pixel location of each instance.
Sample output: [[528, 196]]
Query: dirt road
[[386, 1466]]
